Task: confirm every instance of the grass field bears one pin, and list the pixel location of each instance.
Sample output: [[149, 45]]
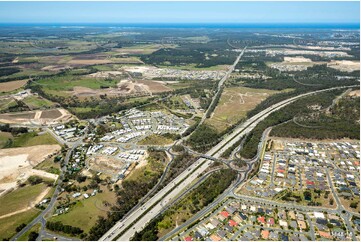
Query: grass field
[[155, 139], [193, 67], [234, 104], [85, 212], [7, 103], [49, 165], [36, 102], [9, 224], [4, 137], [25, 236], [144, 49], [20, 198], [31, 139], [67, 83]]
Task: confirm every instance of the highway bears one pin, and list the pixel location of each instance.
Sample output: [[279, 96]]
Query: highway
[[137, 220]]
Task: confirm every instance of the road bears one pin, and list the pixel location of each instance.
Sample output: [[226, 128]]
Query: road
[[140, 217], [221, 83], [41, 217]]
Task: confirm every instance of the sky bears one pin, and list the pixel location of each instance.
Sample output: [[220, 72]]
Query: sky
[[180, 12]]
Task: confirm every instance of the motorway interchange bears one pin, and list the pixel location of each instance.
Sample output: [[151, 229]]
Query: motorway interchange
[[140, 217]]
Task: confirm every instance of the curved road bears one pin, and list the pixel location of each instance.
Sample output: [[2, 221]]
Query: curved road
[[140, 217]]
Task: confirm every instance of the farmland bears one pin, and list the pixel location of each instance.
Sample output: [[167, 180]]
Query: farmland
[[12, 85]]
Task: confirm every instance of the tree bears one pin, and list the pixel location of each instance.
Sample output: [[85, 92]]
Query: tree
[[33, 180], [20, 227], [33, 236]]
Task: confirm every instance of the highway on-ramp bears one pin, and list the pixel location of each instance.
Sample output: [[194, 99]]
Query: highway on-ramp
[[138, 219]]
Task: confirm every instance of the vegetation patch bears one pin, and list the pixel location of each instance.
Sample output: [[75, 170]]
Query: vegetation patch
[[31, 139], [155, 139]]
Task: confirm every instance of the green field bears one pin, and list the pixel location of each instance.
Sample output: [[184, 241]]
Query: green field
[[20, 198], [36, 102], [25, 236], [85, 212], [67, 83], [5, 104], [31, 139], [9, 224]]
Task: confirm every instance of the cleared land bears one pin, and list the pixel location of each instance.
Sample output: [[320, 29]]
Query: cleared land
[[16, 164], [38, 117], [345, 65], [12, 85], [234, 104]]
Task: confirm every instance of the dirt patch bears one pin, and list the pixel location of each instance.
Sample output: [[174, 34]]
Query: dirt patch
[[55, 68], [37, 117], [355, 93], [52, 114], [15, 116], [16, 164], [296, 59], [345, 65], [277, 145], [155, 87], [105, 164], [12, 85]]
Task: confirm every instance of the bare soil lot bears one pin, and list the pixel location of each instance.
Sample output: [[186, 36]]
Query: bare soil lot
[[155, 87], [12, 85], [106, 165], [38, 117], [16, 164], [345, 65], [355, 93], [51, 114]]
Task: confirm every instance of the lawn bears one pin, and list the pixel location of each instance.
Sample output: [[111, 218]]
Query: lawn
[[31, 139], [25, 236], [234, 104], [20, 198], [85, 212], [9, 224], [155, 139]]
